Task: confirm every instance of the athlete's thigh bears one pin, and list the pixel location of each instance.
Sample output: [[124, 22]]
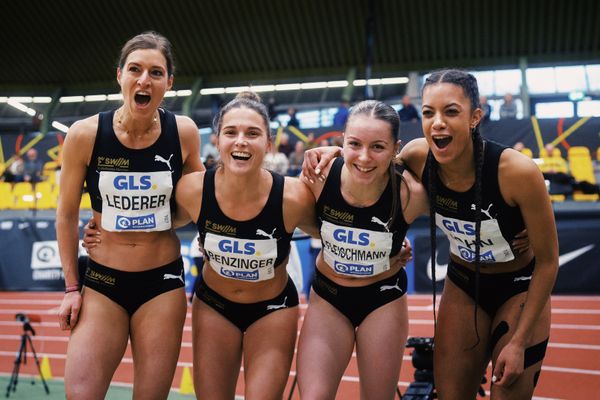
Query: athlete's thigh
[[89, 368], [217, 346], [156, 330], [380, 341], [460, 357], [324, 349], [505, 324], [268, 351]]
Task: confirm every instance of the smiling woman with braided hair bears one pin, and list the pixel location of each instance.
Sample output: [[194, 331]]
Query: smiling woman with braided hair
[[481, 196]]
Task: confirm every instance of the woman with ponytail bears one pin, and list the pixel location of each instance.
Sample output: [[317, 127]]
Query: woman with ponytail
[[245, 306], [358, 297], [481, 195]]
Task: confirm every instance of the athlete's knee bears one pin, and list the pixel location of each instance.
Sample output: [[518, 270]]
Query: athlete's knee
[[81, 390]]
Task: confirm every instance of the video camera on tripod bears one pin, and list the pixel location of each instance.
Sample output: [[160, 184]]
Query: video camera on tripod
[[26, 320], [423, 387], [22, 353]]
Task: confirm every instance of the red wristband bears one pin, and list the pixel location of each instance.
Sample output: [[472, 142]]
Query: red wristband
[[73, 288]]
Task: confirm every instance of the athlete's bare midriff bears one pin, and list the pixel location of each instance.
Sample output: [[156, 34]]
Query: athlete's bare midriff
[[343, 280], [135, 251], [246, 292]]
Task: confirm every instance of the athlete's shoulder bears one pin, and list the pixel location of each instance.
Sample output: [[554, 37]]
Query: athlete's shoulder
[[186, 123], [414, 154], [294, 190], [83, 131], [193, 180], [514, 163]]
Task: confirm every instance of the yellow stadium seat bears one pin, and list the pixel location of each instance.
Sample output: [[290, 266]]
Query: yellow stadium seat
[[24, 196], [555, 153], [585, 197], [553, 164], [46, 196], [85, 203], [582, 168], [6, 196], [579, 151], [598, 154]]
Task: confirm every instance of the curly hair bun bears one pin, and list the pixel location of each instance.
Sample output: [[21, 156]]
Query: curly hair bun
[[249, 95]]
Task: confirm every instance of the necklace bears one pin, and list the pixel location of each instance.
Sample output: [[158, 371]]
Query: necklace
[[119, 117]]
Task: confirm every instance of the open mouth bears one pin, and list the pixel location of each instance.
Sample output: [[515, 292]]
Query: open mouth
[[142, 98], [240, 155], [442, 142]]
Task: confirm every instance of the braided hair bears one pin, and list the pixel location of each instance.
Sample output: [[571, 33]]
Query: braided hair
[[469, 85]]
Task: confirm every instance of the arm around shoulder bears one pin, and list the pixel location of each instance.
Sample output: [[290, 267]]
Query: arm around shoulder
[[299, 207], [414, 197], [414, 155], [188, 195]]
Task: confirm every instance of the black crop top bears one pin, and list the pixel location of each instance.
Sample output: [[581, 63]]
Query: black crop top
[[358, 241], [244, 250], [133, 188], [455, 214]]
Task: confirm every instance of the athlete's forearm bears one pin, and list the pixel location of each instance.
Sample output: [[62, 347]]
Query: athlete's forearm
[[540, 288], [67, 233]]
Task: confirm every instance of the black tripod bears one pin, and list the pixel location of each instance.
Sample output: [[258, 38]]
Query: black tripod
[[22, 357]]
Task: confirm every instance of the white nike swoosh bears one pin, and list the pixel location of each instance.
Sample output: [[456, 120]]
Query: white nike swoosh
[[570, 256], [440, 269]]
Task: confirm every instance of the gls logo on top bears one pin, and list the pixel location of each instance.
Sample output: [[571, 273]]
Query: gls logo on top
[[232, 246], [456, 226], [129, 182], [347, 236]]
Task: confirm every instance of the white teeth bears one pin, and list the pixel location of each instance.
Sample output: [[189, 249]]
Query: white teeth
[[241, 154], [361, 169], [143, 93]]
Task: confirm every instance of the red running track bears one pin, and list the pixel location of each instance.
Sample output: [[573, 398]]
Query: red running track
[[571, 369]]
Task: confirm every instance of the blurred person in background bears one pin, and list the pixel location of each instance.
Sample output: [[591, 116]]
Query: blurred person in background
[[508, 109], [296, 158], [32, 167], [408, 112]]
